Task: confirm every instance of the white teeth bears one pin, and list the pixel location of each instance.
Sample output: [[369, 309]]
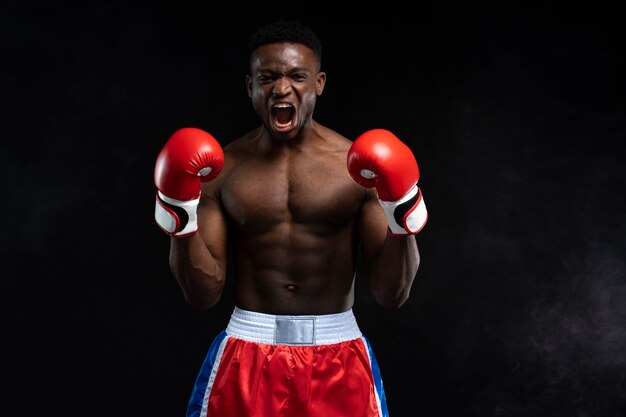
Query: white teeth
[[282, 105], [281, 125]]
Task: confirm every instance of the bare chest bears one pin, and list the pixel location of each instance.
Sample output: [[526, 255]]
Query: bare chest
[[261, 193]]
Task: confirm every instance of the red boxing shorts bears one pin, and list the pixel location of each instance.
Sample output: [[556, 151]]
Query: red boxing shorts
[[265, 365]]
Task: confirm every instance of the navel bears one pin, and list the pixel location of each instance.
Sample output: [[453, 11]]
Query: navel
[[291, 287]]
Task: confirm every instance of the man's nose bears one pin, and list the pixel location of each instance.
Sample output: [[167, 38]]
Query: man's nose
[[282, 87]]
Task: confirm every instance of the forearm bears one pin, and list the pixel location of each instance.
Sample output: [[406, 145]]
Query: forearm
[[378, 159], [393, 270], [200, 275]]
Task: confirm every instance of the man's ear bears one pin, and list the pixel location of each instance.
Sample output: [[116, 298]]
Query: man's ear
[[321, 82], [249, 85]]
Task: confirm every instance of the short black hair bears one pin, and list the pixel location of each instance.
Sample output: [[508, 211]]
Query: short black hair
[[286, 31]]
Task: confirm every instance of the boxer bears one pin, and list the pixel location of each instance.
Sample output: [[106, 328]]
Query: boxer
[[295, 202]]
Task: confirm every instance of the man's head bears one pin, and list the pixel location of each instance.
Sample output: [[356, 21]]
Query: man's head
[[286, 31], [285, 77]]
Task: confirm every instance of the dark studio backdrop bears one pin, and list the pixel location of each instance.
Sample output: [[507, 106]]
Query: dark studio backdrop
[[516, 115]]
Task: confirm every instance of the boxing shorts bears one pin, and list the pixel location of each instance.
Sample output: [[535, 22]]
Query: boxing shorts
[[265, 365]]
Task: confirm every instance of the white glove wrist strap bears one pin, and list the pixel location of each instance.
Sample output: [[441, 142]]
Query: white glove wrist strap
[[407, 215], [177, 218]]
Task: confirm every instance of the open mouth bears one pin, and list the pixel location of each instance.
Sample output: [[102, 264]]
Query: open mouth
[[282, 115]]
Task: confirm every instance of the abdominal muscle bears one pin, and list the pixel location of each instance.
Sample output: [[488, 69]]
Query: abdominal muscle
[[294, 269]]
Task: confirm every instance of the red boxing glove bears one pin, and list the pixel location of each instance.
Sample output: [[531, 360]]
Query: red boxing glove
[[189, 157], [379, 159]]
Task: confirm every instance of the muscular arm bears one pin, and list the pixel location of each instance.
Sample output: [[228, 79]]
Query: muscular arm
[[199, 262], [391, 262]]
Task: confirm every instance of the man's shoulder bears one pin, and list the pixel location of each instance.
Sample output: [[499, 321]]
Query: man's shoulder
[[241, 143], [333, 137], [329, 133]]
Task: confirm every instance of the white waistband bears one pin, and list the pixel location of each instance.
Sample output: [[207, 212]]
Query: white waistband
[[273, 329]]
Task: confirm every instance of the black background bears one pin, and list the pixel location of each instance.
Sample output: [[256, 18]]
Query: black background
[[516, 115]]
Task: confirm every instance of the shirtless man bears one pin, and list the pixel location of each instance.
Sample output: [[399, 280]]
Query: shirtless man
[[295, 201]]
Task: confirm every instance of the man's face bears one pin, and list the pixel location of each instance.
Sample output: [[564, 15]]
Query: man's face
[[284, 83]]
